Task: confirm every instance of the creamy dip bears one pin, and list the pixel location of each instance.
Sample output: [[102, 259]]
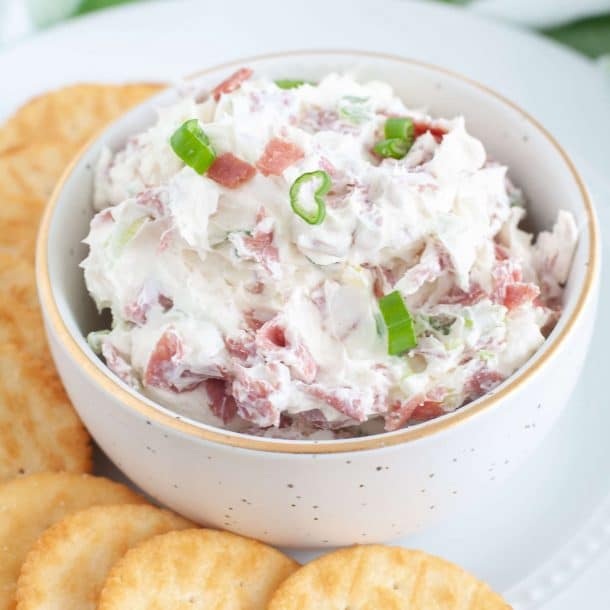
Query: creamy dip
[[230, 307]]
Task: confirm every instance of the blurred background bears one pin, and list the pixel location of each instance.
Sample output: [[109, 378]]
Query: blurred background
[[581, 24]]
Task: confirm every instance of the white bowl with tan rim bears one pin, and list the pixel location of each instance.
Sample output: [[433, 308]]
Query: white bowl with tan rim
[[306, 493]]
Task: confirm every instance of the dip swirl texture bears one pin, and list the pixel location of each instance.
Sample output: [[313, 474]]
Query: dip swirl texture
[[229, 307]]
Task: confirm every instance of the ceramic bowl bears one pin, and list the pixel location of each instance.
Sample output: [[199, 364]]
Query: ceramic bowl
[[307, 493]]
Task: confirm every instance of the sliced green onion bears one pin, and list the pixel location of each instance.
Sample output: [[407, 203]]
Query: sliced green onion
[[379, 325], [191, 144], [516, 198], [125, 234], [398, 322], [442, 323], [394, 147], [315, 215], [354, 109], [402, 128], [399, 137], [285, 83]]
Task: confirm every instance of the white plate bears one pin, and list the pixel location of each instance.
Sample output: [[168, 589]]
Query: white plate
[[552, 520]]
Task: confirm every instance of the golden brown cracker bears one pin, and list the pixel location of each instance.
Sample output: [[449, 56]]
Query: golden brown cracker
[[66, 568], [40, 139], [31, 173], [39, 430], [70, 114], [196, 570], [19, 242], [20, 317], [29, 505], [376, 576]]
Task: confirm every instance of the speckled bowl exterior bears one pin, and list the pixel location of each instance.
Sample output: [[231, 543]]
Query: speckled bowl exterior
[[310, 494]]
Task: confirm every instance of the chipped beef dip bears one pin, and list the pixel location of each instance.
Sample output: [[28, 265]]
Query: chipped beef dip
[[327, 262]]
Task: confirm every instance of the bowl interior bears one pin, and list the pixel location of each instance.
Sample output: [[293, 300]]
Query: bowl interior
[[535, 163]]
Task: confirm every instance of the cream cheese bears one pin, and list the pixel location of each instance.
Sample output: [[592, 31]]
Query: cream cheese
[[207, 282]]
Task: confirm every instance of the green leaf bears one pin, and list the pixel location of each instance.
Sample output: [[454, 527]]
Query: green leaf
[[45, 13], [591, 36], [88, 6]]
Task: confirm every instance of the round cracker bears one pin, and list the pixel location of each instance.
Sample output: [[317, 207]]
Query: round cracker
[[30, 174], [376, 576], [20, 318], [39, 140], [196, 569], [68, 112], [37, 143], [66, 568], [29, 505], [39, 430]]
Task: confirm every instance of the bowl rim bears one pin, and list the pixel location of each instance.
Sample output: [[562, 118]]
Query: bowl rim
[[153, 411]]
